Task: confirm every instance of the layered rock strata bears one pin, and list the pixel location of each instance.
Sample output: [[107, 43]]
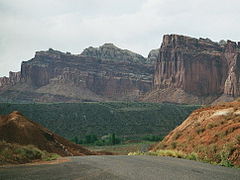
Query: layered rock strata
[[197, 67], [14, 78], [85, 77]]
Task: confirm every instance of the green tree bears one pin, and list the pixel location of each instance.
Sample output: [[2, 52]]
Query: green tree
[[75, 140]]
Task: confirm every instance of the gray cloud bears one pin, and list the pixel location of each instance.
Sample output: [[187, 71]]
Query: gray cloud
[[138, 25]]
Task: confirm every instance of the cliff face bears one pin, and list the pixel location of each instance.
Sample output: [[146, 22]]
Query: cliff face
[[85, 77], [109, 51], [187, 70], [153, 56], [232, 55], [14, 77], [198, 67]]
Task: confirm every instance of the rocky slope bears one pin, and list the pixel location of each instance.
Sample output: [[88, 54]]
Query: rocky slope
[[195, 70], [105, 73], [212, 132], [15, 128]]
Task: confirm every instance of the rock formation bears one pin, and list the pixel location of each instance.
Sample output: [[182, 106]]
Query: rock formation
[[98, 74], [198, 70], [14, 78], [153, 56], [109, 51], [187, 70], [232, 55]]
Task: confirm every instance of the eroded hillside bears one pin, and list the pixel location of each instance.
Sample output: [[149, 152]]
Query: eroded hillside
[[212, 132], [17, 129]]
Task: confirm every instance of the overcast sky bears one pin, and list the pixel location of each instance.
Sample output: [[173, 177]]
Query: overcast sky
[[27, 26]]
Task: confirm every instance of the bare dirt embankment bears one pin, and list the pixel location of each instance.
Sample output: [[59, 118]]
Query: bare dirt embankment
[[213, 133]]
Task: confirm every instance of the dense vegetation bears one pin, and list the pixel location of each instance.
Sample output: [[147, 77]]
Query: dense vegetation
[[123, 148], [110, 139], [125, 119]]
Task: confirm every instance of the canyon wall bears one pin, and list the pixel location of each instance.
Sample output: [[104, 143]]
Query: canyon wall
[[14, 77], [183, 70], [196, 67], [86, 76]]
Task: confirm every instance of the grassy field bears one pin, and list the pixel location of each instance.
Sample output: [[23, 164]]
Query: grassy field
[[129, 120]]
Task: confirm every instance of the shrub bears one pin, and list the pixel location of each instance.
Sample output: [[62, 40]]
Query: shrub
[[197, 124], [192, 156], [224, 159], [238, 139], [50, 156], [177, 135], [200, 130], [29, 152], [152, 138], [225, 153], [135, 153], [162, 145], [15, 154], [210, 126], [173, 145], [171, 153]]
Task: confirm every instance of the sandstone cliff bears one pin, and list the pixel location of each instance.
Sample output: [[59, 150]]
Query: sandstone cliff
[[14, 77], [201, 70], [109, 51], [232, 55], [113, 75], [187, 70]]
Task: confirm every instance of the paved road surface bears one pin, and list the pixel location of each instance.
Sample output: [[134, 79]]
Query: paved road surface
[[121, 167]]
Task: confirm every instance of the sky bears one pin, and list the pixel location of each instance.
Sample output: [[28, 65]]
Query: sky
[[27, 26]]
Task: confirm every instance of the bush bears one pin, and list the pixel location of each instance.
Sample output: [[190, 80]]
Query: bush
[[192, 156], [152, 138], [224, 159], [173, 145], [110, 139], [17, 154], [225, 153], [171, 153], [200, 130], [30, 152], [238, 139], [89, 139], [210, 126], [177, 135]]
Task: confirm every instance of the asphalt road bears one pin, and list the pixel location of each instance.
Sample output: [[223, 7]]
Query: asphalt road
[[121, 167]]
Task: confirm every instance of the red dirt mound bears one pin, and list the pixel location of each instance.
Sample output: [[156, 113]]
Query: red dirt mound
[[15, 128], [212, 132]]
